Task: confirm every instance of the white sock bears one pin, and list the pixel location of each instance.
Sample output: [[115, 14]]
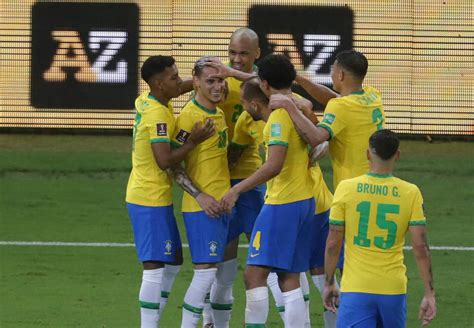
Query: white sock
[[295, 309], [169, 274], [221, 293], [256, 309], [206, 312], [150, 297], [329, 317], [195, 295], [305, 289], [272, 282]]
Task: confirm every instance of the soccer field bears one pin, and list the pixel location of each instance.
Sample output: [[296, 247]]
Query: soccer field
[[72, 189]]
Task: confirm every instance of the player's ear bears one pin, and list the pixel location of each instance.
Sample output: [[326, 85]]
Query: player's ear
[[397, 155], [195, 82], [368, 154], [257, 55]]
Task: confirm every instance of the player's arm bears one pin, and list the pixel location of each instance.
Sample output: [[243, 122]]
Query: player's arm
[[421, 252], [310, 133], [321, 93], [269, 170], [331, 257], [186, 86], [234, 152], [166, 157], [225, 71]]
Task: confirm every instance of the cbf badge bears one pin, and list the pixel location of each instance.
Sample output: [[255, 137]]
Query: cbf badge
[[168, 247], [213, 248]]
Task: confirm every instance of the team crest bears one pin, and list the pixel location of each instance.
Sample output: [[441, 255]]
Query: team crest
[[213, 248], [276, 130], [329, 118], [168, 247], [162, 129]]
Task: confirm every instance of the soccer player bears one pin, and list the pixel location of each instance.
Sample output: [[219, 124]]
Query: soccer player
[[245, 135], [372, 213], [149, 200], [348, 120], [280, 236], [206, 165]]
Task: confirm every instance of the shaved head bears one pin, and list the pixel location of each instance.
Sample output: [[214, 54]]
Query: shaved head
[[243, 49], [245, 33]]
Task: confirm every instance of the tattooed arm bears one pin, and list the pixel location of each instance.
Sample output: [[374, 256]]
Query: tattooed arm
[[233, 155], [421, 251], [207, 202]]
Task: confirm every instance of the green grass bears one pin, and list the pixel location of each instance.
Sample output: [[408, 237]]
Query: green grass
[[72, 188]]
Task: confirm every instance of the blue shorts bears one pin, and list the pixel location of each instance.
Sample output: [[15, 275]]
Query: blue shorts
[[319, 235], [207, 236], [281, 237], [247, 208], [155, 232], [362, 310]]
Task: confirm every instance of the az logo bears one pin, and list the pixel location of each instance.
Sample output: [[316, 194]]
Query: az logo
[[84, 55]]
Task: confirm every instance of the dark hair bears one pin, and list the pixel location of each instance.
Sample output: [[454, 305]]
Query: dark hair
[[277, 70], [154, 65], [384, 143], [354, 62], [200, 64], [251, 90]]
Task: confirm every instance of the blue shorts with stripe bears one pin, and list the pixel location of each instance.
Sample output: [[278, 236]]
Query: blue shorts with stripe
[[319, 235], [281, 236], [207, 236], [155, 232], [246, 209], [363, 310]]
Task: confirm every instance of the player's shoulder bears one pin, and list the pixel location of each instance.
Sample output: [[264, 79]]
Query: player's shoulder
[[280, 114], [371, 89], [408, 186]]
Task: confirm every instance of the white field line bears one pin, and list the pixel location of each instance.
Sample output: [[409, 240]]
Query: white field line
[[77, 244]]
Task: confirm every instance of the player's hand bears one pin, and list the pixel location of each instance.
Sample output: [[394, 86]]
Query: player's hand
[[210, 206], [201, 132], [318, 152], [223, 71], [229, 199], [331, 297], [427, 309], [281, 101], [303, 105]]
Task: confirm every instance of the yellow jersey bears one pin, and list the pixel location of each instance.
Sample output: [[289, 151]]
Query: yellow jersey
[[376, 211], [294, 182], [149, 185], [248, 135], [206, 165], [321, 193], [350, 121]]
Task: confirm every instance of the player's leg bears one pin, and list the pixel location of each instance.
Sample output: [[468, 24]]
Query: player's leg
[[157, 242], [207, 240], [392, 310], [169, 275], [272, 283], [295, 308], [320, 231], [256, 308], [357, 310]]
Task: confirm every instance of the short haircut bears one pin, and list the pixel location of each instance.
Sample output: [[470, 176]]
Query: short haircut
[[353, 61], [200, 64], [251, 90], [277, 70], [384, 143], [154, 65]]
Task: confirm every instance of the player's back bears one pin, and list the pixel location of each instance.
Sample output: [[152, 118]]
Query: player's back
[[293, 183], [148, 185], [206, 164], [350, 121], [376, 211]]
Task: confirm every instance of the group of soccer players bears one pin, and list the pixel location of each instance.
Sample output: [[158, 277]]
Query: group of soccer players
[[213, 151]]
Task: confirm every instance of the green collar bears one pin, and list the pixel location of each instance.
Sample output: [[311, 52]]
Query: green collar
[[358, 92], [377, 175], [156, 99], [207, 110]]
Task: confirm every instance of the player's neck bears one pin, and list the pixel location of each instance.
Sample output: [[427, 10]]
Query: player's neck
[[205, 102], [286, 91], [380, 169], [350, 88], [160, 97]]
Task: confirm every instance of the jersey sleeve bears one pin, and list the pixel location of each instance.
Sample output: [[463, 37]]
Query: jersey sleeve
[[159, 125], [242, 137], [334, 118], [280, 127], [337, 215], [417, 213], [184, 125]]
